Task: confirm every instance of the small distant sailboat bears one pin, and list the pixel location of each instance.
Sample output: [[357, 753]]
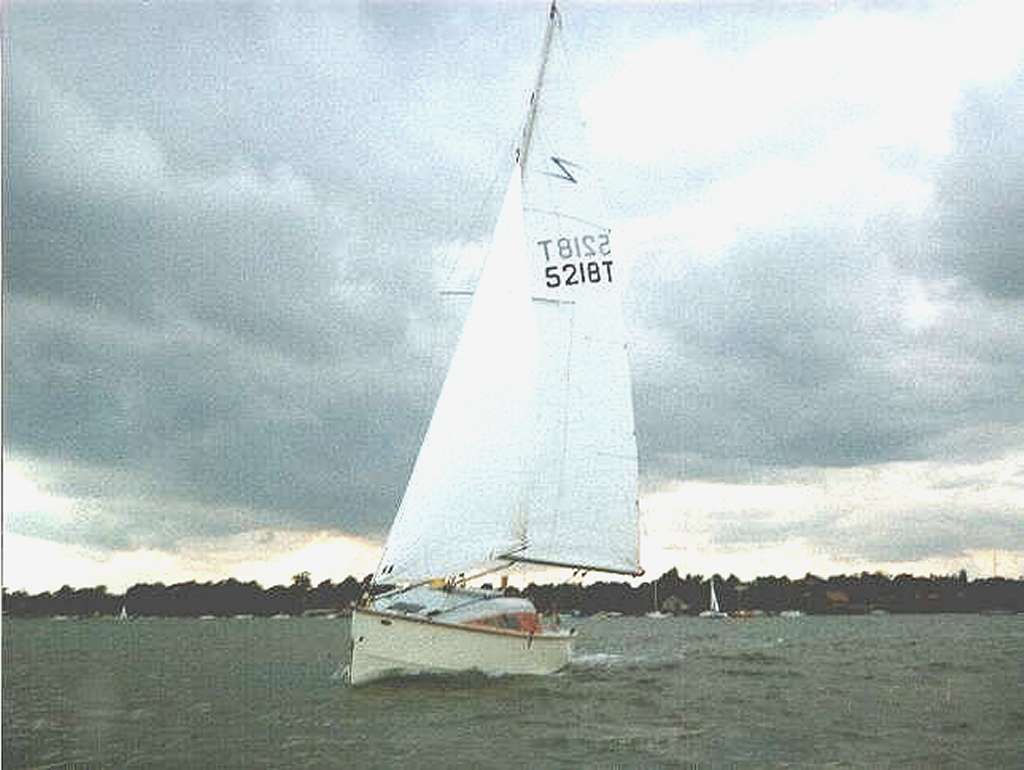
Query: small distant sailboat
[[530, 456], [123, 615], [656, 613], [714, 611]]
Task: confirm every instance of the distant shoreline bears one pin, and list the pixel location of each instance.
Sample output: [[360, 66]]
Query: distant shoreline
[[861, 594]]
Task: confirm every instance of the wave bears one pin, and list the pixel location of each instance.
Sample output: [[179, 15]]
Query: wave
[[595, 660]]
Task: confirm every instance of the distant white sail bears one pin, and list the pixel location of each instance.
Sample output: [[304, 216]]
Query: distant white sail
[[713, 606]]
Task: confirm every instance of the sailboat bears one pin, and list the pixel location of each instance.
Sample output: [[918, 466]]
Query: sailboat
[[530, 457], [714, 611], [123, 615], [656, 613]]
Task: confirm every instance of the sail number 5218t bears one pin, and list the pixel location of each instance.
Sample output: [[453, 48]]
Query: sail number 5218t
[[580, 260]]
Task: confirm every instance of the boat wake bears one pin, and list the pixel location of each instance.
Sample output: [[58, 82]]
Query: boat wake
[[595, 660], [606, 661]]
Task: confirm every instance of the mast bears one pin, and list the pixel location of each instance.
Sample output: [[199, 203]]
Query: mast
[[554, 20]]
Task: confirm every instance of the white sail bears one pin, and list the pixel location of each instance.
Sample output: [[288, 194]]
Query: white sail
[[583, 503], [582, 509], [463, 507], [714, 599], [530, 454]]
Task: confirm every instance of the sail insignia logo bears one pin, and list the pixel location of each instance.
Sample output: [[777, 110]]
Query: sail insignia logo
[[564, 167]]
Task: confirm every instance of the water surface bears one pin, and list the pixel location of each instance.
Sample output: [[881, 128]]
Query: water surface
[[894, 691]]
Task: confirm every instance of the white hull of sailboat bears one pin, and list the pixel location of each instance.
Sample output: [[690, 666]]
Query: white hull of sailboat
[[714, 615], [388, 644]]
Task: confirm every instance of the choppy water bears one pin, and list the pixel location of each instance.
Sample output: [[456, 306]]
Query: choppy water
[[896, 691]]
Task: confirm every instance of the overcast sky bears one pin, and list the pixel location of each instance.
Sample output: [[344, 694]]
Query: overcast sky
[[226, 228]]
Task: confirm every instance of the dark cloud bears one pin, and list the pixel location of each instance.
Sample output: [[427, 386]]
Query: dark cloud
[[981, 192], [772, 357], [192, 418], [215, 337]]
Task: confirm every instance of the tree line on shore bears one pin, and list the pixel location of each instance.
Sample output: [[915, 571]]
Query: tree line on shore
[[689, 594]]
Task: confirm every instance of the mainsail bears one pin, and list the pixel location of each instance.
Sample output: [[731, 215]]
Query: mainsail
[[583, 509], [531, 453]]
